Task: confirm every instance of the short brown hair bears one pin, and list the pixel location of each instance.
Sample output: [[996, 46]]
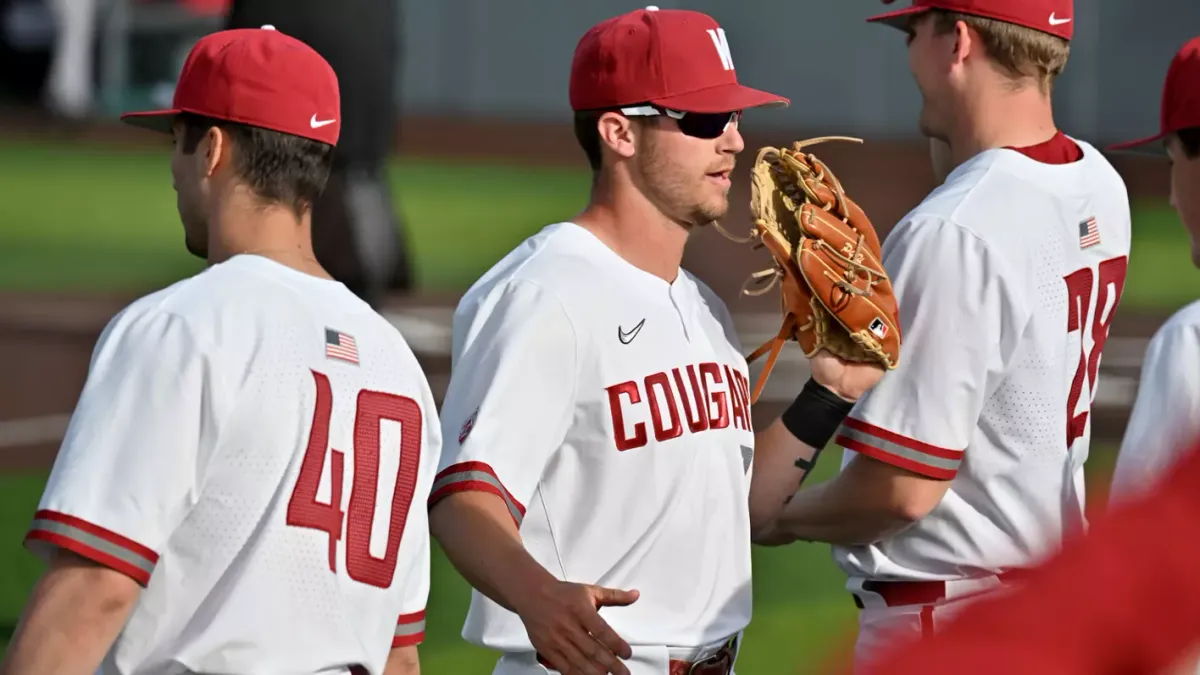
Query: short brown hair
[[278, 167], [1023, 53], [588, 136], [1190, 140]]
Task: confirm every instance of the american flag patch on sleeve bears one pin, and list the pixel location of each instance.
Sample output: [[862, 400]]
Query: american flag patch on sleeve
[[1089, 233], [339, 345]]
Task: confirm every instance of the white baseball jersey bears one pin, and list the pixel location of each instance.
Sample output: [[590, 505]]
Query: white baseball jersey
[[255, 446], [610, 410], [1007, 276], [1166, 414]]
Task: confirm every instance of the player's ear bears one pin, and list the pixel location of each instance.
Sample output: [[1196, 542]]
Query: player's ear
[[617, 132], [965, 42], [217, 149]]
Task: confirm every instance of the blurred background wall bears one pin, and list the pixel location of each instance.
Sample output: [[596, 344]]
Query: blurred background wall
[[471, 56], [510, 59]]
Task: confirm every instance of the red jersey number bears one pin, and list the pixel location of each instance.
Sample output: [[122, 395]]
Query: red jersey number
[[305, 511], [1111, 273]]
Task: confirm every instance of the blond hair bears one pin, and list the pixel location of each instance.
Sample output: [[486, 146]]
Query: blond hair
[[1022, 53]]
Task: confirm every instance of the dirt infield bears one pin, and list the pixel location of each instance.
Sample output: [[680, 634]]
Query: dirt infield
[[46, 339]]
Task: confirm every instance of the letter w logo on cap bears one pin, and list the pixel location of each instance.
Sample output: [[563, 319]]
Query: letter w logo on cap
[[722, 45]]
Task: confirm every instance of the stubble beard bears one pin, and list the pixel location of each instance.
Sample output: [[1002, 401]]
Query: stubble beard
[[669, 188]]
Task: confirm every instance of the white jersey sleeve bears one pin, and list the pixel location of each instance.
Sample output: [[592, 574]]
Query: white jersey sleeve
[[511, 396], [960, 319], [1166, 413], [134, 456]]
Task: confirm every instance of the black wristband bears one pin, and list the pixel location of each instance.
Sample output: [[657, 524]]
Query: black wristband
[[814, 417]]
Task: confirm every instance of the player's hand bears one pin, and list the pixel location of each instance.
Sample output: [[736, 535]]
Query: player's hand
[[848, 380], [566, 629]]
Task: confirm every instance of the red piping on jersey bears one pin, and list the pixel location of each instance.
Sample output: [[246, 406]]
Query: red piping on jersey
[[895, 460], [414, 619], [863, 447], [75, 545], [97, 556], [1058, 150], [498, 489], [910, 443], [107, 535]]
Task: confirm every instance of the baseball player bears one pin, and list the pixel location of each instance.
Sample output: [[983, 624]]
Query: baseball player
[[242, 486], [600, 444], [965, 463], [1167, 409]]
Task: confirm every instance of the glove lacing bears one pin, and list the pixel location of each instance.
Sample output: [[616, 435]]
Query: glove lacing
[[788, 184], [791, 177]]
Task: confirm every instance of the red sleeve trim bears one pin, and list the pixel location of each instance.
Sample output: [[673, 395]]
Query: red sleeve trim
[[894, 460], [408, 640], [411, 618], [410, 630], [910, 443], [93, 542], [474, 477]]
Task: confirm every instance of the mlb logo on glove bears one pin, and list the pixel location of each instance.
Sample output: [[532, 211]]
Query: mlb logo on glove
[[878, 328]]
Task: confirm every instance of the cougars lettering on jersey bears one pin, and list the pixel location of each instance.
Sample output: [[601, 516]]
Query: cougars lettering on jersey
[[1008, 277], [610, 410], [254, 446], [697, 401]]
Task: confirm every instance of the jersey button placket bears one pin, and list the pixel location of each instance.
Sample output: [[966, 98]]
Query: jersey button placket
[[680, 312]]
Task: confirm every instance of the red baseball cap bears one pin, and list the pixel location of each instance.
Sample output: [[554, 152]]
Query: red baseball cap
[[1180, 97], [1056, 17], [258, 77], [673, 58]]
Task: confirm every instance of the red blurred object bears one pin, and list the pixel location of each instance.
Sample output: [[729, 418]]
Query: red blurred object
[[203, 7], [208, 6], [1123, 599]]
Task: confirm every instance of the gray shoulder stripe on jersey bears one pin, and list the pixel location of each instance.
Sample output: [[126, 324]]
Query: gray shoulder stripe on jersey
[[483, 477], [92, 541], [410, 629], [900, 450]]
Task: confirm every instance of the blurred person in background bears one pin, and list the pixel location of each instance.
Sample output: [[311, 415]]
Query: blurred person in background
[[1123, 600], [357, 230], [1168, 400], [69, 88], [1167, 407]]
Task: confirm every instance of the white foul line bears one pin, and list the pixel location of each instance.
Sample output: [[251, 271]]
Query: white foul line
[[33, 430], [428, 332]]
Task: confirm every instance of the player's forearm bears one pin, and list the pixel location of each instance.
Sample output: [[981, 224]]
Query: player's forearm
[[831, 512], [73, 616], [482, 542], [777, 476], [403, 661], [788, 450]]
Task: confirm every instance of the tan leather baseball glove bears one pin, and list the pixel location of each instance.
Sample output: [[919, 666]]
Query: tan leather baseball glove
[[835, 292]]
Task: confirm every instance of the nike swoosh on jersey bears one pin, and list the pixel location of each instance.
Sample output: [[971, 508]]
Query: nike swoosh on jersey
[[626, 338]]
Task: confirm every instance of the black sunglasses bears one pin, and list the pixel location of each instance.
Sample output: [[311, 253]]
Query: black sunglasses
[[696, 125]]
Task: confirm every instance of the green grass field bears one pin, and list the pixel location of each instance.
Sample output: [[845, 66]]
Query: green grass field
[[90, 218], [802, 614]]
